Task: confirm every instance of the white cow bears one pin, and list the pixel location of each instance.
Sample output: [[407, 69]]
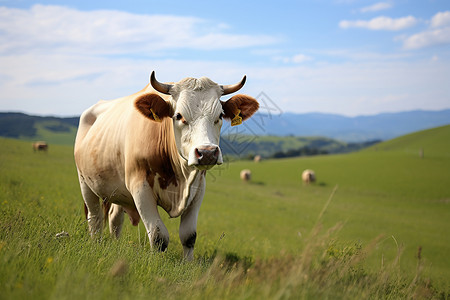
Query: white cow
[[308, 176], [246, 175], [153, 148]]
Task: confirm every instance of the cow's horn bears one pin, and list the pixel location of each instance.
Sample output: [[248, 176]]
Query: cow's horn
[[231, 88], [160, 87]]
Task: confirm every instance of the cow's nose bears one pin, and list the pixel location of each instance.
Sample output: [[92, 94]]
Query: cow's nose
[[207, 155]]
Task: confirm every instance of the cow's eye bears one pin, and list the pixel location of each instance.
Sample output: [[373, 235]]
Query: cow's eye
[[220, 118], [179, 117]]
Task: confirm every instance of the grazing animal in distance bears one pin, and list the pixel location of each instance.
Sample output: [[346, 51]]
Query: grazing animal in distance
[[40, 146], [308, 176], [153, 148], [257, 158], [246, 175]]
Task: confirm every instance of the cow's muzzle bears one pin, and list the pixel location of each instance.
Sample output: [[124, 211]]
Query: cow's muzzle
[[206, 156]]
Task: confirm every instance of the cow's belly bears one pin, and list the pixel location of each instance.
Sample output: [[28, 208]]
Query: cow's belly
[[108, 187]]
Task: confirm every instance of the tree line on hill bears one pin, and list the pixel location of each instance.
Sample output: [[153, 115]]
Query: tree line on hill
[[310, 151], [246, 147], [16, 125]]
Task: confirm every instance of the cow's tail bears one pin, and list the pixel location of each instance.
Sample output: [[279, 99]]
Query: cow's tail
[[106, 206]]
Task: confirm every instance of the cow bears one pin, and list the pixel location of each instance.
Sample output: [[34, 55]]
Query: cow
[[246, 175], [153, 148], [40, 146], [308, 176]]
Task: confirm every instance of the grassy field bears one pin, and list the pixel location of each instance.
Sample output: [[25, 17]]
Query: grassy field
[[354, 234]]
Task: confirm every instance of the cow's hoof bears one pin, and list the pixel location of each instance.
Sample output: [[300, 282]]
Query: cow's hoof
[[160, 243]]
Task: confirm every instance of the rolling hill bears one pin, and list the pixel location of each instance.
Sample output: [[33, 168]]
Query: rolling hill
[[434, 141]]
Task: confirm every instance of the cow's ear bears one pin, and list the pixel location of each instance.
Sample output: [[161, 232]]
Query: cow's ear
[[153, 107], [239, 108]]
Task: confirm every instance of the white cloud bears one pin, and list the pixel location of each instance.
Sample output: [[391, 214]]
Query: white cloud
[[437, 34], [429, 38], [441, 19], [62, 29], [59, 60], [381, 23], [297, 59], [376, 7], [300, 58]]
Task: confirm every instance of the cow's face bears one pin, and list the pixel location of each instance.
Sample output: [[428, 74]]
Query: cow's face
[[197, 115], [197, 121]]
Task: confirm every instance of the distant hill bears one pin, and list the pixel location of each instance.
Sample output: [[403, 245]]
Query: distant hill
[[51, 129]]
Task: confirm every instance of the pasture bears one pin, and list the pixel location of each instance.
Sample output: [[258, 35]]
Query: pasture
[[355, 233]]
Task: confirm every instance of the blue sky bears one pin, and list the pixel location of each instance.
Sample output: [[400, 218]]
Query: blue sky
[[347, 57]]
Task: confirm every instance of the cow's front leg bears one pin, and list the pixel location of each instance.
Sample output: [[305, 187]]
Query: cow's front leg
[[188, 226], [147, 207]]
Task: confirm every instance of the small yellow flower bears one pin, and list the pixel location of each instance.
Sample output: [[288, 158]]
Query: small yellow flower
[[49, 261]]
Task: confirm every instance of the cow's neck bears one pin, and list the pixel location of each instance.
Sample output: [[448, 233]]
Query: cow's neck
[[177, 197]]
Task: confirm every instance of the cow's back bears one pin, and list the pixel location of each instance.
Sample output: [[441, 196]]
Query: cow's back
[[106, 115]]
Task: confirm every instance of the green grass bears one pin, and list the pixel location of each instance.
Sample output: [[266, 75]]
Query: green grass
[[262, 239]]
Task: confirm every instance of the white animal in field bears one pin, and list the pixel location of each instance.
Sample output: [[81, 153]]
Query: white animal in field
[[246, 175], [153, 148], [308, 176]]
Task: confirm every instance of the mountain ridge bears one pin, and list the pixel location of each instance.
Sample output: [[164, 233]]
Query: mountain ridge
[[382, 126]]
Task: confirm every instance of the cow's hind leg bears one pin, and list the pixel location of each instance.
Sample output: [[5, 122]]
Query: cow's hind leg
[[94, 211], [115, 220]]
